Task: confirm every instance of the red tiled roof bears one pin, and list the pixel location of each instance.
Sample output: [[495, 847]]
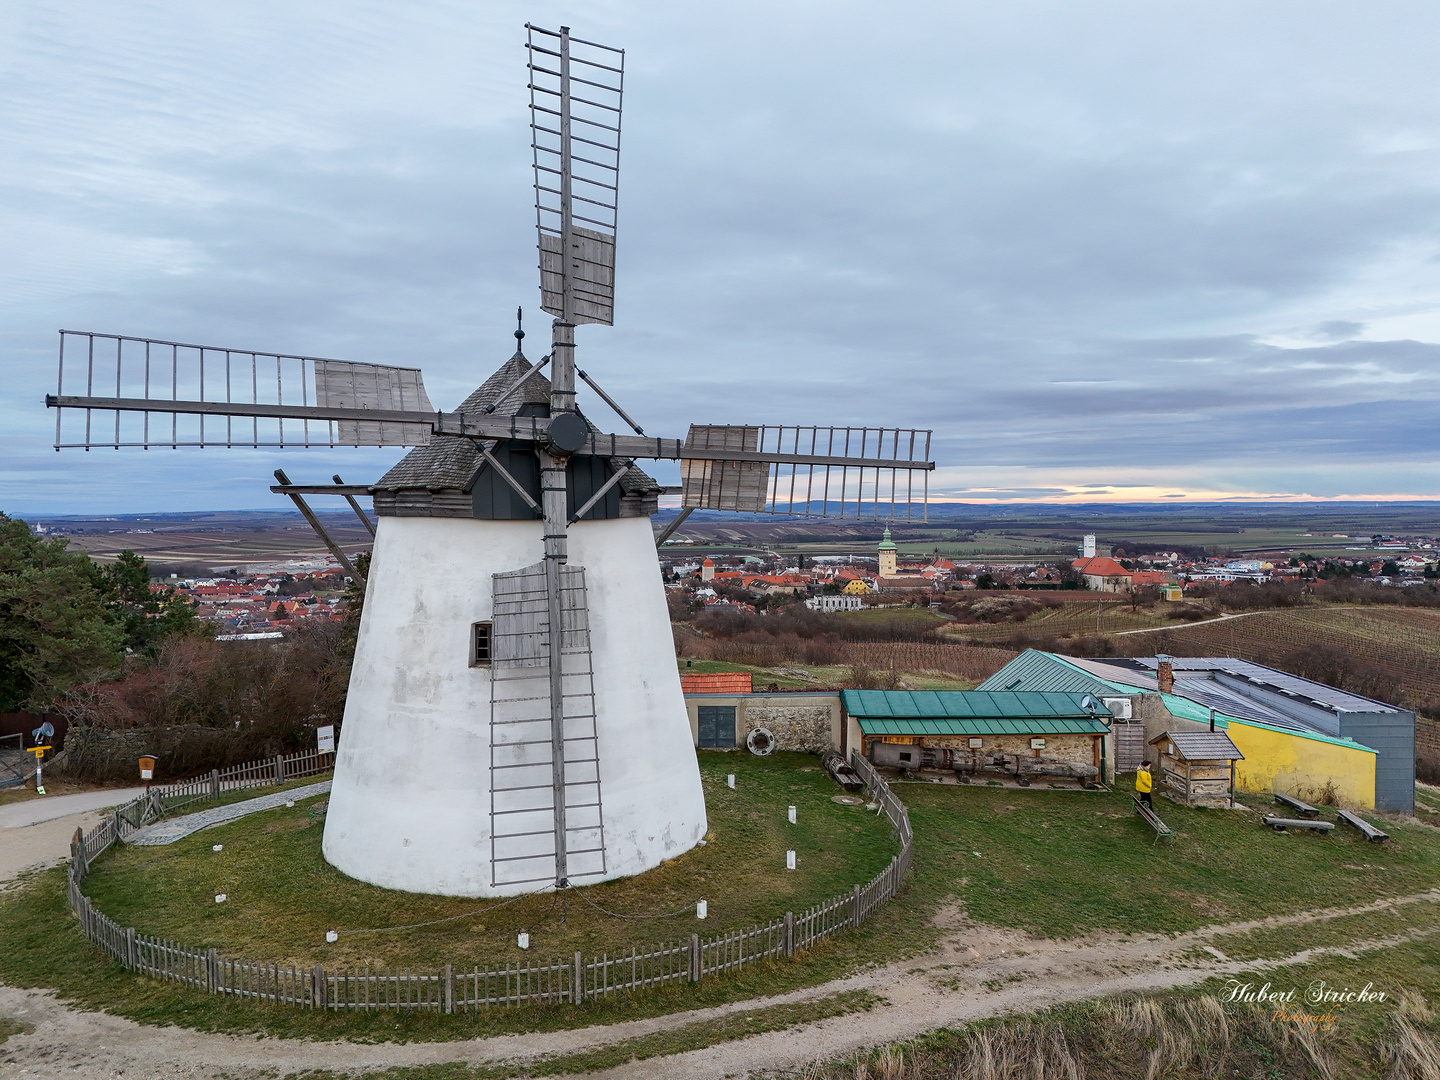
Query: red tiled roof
[[1100, 566], [729, 682], [1152, 577]]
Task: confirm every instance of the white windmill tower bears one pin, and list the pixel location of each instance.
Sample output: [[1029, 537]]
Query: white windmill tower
[[482, 754]]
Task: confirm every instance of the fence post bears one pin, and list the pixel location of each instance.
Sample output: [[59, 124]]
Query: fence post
[[212, 965], [694, 958], [789, 933], [577, 983], [214, 783], [855, 907], [279, 769], [449, 990], [317, 987], [130, 958]]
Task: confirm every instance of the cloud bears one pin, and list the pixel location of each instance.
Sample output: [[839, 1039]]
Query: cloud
[[1117, 238]]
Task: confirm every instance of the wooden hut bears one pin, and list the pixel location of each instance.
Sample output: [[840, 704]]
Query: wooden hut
[[1197, 768]]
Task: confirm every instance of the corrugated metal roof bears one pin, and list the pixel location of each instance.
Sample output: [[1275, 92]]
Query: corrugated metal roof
[[966, 704], [986, 725], [1201, 745], [1045, 672], [1326, 697]]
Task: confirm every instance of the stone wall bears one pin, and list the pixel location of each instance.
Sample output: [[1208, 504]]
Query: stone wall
[[804, 728], [1076, 748]]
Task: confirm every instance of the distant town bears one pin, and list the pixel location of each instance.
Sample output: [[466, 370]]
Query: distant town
[[258, 600], [839, 582]]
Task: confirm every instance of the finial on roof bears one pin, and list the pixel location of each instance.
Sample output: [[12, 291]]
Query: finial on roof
[[519, 332]]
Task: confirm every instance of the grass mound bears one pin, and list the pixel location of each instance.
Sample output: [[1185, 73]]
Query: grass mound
[[281, 895]]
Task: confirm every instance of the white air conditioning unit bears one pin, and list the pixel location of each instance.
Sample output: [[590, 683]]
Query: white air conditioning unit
[[1119, 707]]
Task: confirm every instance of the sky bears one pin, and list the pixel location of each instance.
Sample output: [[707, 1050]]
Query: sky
[[1112, 251]]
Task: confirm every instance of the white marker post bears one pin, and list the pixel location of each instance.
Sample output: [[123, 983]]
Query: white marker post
[[523, 939], [730, 781], [789, 860], [702, 909], [792, 815]]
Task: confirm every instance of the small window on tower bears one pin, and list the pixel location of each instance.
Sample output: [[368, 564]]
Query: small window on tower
[[480, 644]]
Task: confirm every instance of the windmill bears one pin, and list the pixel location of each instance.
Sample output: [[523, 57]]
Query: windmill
[[514, 720]]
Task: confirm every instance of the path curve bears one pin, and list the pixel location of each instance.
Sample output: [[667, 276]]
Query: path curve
[[973, 972]]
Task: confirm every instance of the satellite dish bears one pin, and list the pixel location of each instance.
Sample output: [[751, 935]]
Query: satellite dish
[[44, 731]]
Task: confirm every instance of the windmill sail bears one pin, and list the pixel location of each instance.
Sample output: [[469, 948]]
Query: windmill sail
[[207, 395], [576, 88], [344, 385], [815, 471], [532, 772]]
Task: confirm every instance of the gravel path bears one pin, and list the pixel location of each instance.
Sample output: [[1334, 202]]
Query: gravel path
[[172, 829], [974, 972]]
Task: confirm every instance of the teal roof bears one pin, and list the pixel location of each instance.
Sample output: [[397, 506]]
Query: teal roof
[[987, 725], [1036, 670], [966, 705]]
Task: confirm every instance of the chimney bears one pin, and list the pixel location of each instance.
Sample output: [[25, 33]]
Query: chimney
[[1164, 675]]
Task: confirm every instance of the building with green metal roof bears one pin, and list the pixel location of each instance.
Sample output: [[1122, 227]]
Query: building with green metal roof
[[1294, 733], [1028, 730]]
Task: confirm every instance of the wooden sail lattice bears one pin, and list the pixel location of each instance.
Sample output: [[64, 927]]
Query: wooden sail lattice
[[830, 471], [143, 379]]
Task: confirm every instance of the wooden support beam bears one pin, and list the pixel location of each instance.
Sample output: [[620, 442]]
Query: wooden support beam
[[335, 549]]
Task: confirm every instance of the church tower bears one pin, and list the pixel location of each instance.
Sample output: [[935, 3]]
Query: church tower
[[887, 556]]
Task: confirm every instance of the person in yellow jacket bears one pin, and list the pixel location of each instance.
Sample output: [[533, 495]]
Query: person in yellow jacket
[[1143, 783]]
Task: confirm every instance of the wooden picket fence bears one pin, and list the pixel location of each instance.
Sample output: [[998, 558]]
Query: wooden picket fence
[[162, 799], [453, 989]]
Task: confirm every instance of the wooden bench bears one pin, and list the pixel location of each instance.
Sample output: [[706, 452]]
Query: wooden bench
[[1148, 815], [1298, 805], [1370, 832], [1280, 824]]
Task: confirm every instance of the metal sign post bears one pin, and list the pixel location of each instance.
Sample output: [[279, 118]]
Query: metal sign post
[[39, 752]]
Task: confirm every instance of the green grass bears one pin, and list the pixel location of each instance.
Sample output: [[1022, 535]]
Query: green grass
[[1275, 943], [1065, 864], [696, 1036], [10, 1027], [1061, 864], [283, 896]]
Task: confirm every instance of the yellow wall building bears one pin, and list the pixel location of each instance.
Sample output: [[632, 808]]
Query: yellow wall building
[[1302, 765]]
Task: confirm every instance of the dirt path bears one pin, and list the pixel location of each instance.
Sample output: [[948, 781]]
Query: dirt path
[[973, 972], [37, 832]]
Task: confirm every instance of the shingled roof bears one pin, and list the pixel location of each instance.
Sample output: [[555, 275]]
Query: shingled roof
[[447, 463]]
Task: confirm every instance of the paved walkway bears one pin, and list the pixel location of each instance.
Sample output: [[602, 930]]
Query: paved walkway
[[49, 807], [172, 829]]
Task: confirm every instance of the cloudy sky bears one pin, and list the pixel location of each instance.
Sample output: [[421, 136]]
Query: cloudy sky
[[1138, 250]]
